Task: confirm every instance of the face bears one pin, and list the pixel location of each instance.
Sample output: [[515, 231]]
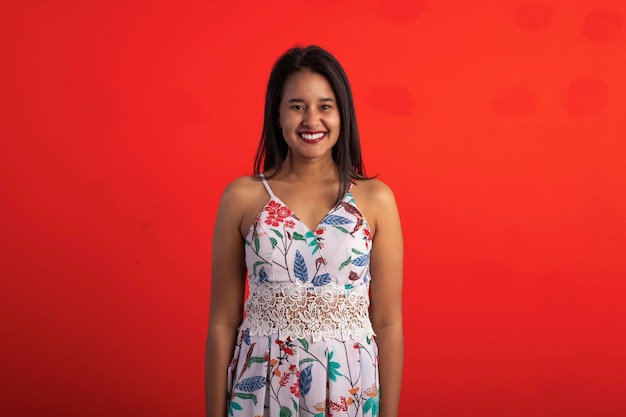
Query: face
[[309, 115]]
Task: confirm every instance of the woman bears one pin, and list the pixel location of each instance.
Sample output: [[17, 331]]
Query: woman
[[321, 245]]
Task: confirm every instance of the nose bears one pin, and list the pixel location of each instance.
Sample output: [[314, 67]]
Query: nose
[[311, 117]]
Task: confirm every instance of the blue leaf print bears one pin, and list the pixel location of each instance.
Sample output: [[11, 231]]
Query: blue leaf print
[[299, 267], [361, 260], [246, 337], [251, 384], [306, 378], [320, 280], [262, 275], [335, 220]]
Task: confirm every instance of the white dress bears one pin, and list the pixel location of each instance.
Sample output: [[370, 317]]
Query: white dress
[[306, 345]]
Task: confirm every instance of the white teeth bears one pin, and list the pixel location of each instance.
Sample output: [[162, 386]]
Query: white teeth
[[314, 136]]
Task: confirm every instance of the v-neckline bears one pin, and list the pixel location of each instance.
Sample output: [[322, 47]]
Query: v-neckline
[[294, 215], [273, 196]]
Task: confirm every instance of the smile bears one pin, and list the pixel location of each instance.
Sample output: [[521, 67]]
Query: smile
[[312, 137]]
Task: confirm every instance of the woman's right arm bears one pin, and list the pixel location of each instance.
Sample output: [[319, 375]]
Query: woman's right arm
[[227, 292]]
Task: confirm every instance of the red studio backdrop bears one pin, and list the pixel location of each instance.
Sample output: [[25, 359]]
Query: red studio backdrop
[[499, 124]]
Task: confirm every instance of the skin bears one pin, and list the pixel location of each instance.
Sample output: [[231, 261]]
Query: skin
[[308, 175]]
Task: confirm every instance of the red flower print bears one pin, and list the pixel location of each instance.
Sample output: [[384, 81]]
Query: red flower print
[[367, 237], [283, 212], [342, 405], [295, 389], [276, 213], [285, 347], [319, 232], [272, 206], [290, 223]]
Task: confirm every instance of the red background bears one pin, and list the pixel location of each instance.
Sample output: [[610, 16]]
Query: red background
[[499, 124]]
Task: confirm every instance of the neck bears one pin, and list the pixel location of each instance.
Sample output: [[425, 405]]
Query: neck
[[318, 169]]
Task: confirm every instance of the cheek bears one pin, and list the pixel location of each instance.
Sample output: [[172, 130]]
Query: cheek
[[287, 120]]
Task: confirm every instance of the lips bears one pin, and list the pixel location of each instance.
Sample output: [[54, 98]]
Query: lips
[[312, 136]]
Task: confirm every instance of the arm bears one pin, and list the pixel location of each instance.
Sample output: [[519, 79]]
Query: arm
[[227, 292], [386, 298]]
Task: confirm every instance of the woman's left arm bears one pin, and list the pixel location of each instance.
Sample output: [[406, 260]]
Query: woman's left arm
[[386, 264]]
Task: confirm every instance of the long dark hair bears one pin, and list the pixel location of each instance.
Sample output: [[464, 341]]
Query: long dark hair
[[272, 149]]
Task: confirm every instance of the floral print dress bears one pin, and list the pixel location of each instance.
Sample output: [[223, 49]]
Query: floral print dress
[[306, 345]]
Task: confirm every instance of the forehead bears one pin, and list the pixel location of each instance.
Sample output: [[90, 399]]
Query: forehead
[[307, 84]]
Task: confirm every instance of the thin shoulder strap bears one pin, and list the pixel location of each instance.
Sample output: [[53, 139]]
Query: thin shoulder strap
[[266, 185], [351, 184]]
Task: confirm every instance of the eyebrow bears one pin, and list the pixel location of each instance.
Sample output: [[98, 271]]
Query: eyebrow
[[323, 100]]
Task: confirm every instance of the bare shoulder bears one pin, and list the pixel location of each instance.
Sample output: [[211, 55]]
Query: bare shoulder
[[374, 192], [376, 201], [243, 188], [242, 200]]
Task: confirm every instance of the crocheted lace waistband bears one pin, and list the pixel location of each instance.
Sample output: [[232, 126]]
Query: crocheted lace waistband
[[299, 311]]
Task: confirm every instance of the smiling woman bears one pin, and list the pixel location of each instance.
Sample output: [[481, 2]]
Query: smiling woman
[[322, 331], [309, 115]]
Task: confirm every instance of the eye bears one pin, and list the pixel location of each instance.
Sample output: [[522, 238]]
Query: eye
[[296, 107], [326, 107]]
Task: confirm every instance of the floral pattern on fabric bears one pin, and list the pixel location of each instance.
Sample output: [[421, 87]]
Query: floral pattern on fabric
[[306, 347]]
